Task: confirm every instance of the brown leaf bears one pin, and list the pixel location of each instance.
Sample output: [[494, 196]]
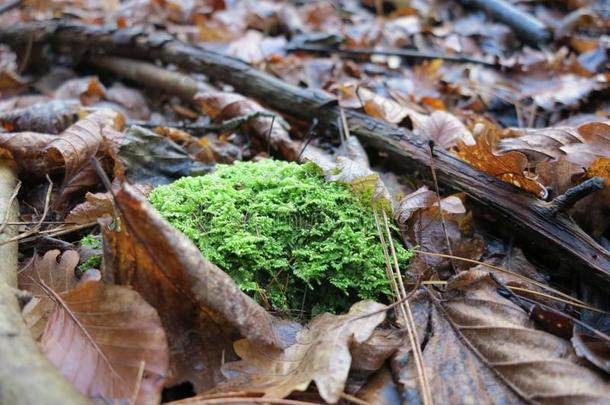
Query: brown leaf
[[600, 168], [200, 306], [565, 89], [75, 147], [320, 353], [106, 340], [26, 147], [446, 130], [489, 350], [420, 223], [95, 206], [50, 117], [131, 99], [508, 167], [222, 106], [87, 89]]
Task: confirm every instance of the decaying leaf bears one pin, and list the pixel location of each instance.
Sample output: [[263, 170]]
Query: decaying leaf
[[87, 89], [223, 106], [106, 340], [420, 223], [146, 157], [200, 306], [25, 148], [490, 351], [508, 167], [50, 117], [319, 353]]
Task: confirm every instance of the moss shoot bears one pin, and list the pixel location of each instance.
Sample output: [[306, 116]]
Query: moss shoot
[[289, 238]]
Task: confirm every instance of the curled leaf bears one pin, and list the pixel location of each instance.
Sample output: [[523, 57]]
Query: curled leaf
[[320, 353]]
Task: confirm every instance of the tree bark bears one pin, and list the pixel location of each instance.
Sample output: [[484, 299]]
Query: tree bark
[[26, 376], [533, 220]]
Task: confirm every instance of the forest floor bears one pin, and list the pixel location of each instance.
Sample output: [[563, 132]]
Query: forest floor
[[478, 132]]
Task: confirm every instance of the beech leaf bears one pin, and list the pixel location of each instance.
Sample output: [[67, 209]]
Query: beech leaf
[[106, 340]]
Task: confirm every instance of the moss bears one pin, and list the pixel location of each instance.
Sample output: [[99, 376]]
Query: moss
[[287, 236], [95, 261]]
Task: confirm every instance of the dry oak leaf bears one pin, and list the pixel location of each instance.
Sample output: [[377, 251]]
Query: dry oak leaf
[[320, 353], [221, 106], [105, 339], [49, 117], [508, 167], [86, 89], [200, 306]]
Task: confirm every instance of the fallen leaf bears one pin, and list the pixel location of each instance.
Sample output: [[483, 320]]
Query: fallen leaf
[[600, 168], [145, 157], [446, 130], [222, 106], [508, 167], [421, 224], [320, 353], [200, 306], [490, 351], [25, 148], [85, 334], [95, 206], [50, 117], [88, 90], [75, 147]]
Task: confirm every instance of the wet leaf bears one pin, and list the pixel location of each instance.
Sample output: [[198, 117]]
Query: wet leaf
[[421, 224], [320, 354], [106, 340], [489, 349], [446, 130], [146, 157], [75, 147], [88, 90], [200, 306]]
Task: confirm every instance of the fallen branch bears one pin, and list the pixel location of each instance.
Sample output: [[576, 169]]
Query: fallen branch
[[557, 236], [527, 27], [26, 377]]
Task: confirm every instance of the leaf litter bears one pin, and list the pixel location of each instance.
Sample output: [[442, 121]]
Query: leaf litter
[[158, 316]]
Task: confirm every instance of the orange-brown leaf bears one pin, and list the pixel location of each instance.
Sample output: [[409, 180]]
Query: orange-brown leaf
[[106, 340], [508, 167]]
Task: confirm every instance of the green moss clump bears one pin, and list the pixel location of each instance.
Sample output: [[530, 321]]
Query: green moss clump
[[93, 262], [286, 235]]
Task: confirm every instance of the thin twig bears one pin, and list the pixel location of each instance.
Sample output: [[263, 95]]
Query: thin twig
[[418, 355], [10, 204], [565, 201], [308, 137], [408, 54], [517, 275], [440, 208]]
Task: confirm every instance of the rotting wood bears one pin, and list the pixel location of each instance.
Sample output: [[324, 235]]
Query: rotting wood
[[19, 355], [555, 235]]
